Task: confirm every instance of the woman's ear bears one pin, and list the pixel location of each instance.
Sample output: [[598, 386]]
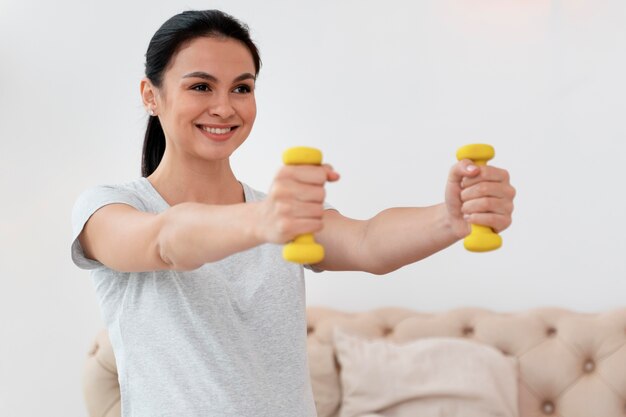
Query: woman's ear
[[148, 96]]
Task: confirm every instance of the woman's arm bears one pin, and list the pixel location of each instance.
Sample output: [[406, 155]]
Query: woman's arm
[[393, 238], [399, 236], [188, 235], [181, 238]]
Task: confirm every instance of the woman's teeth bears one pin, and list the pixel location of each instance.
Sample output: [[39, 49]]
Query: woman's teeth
[[215, 130]]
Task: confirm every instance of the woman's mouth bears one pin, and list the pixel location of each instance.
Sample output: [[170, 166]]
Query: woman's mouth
[[217, 133]]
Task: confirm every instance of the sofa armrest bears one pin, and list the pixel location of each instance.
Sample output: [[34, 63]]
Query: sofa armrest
[[100, 386]]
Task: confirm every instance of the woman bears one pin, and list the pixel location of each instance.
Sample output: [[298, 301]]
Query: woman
[[204, 316]]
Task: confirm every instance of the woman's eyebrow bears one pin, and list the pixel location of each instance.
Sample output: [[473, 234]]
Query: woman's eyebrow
[[212, 78]]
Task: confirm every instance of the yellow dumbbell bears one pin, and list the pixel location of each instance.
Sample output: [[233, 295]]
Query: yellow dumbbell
[[304, 249], [482, 238]]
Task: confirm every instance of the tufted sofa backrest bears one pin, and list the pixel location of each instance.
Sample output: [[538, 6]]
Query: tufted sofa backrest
[[570, 364]]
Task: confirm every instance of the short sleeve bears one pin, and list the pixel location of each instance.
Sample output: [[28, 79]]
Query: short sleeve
[[85, 206]]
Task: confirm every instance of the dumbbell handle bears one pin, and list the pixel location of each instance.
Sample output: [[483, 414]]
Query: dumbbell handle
[[481, 238], [303, 249]]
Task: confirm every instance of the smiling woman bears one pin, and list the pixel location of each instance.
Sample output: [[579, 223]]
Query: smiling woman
[[194, 54], [204, 316], [187, 284], [206, 92]]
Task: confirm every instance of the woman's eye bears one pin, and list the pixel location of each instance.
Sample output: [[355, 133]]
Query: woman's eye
[[242, 89], [201, 87]]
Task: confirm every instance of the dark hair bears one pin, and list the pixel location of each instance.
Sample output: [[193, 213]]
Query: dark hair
[[176, 31]]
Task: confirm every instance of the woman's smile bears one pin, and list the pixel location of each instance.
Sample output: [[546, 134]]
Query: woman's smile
[[218, 133]]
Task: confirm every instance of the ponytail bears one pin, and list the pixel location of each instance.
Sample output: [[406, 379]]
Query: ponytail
[[153, 146]]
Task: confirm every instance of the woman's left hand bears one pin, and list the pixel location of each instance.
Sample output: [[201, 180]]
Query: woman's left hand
[[478, 195]]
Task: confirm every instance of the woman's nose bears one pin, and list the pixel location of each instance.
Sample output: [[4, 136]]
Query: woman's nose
[[222, 107]]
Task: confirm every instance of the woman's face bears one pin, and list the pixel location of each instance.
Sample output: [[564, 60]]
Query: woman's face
[[206, 102]]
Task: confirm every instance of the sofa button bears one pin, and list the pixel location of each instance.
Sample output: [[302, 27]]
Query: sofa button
[[589, 366], [468, 331], [548, 407], [551, 331]]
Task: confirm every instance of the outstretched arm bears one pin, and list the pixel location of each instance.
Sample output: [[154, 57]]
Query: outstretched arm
[[399, 236], [188, 235]]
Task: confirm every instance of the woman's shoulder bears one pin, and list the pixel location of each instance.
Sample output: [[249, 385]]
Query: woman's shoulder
[[252, 194], [136, 193], [133, 187]]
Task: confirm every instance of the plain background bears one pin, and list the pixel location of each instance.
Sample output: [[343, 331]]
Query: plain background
[[388, 90]]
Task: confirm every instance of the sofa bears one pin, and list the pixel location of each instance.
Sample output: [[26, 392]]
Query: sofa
[[567, 364]]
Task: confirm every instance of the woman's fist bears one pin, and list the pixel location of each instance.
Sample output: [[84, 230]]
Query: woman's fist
[[295, 202], [479, 195]]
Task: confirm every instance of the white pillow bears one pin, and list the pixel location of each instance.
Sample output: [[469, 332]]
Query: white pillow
[[432, 377]]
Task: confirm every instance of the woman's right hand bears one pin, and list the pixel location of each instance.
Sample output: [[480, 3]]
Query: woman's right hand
[[295, 202]]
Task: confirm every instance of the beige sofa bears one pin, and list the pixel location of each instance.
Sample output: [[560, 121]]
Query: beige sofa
[[569, 364]]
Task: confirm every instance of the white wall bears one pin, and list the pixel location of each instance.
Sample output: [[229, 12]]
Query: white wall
[[388, 90]]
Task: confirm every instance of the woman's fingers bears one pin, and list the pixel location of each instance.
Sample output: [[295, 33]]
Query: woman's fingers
[[486, 173], [289, 189], [498, 222], [295, 202], [462, 170], [486, 195], [488, 205], [488, 189], [308, 174]]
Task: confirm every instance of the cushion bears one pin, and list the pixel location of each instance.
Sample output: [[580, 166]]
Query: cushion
[[438, 377], [324, 379]]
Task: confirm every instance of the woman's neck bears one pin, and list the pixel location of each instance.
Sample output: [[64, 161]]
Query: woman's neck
[[208, 182]]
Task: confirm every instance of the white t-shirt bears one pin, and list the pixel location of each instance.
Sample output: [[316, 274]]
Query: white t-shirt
[[225, 340]]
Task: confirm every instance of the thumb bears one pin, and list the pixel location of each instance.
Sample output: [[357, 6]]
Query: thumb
[[463, 168], [331, 174]]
